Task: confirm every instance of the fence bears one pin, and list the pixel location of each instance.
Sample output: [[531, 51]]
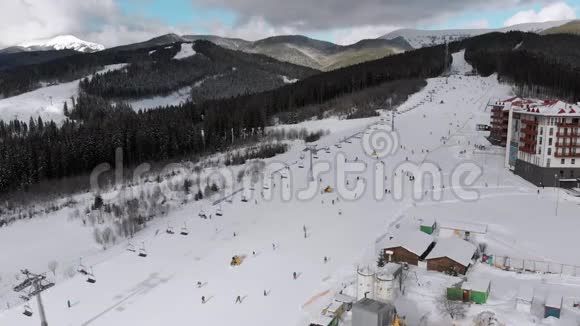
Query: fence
[[530, 265]]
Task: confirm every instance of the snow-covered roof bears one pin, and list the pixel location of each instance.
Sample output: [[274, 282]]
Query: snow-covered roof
[[344, 298], [413, 240], [479, 285], [556, 108], [389, 271], [541, 107], [462, 226], [554, 300], [454, 248], [525, 293]]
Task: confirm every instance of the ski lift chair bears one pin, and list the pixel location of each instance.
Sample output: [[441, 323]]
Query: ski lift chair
[[82, 269], [184, 230], [170, 230], [91, 277], [142, 251], [202, 214], [218, 212], [131, 247], [301, 165], [27, 311], [244, 199]]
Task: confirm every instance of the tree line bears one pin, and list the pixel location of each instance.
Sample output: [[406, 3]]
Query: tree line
[[41, 150]]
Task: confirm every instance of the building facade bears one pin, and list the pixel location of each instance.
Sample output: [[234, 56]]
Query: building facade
[[542, 140]]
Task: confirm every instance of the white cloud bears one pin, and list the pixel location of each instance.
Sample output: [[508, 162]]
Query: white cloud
[[254, 29], [98, 21], [482, 23], [555, 11]]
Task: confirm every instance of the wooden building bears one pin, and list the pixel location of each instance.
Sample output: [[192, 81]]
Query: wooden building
[[451, 255], [407, 246]]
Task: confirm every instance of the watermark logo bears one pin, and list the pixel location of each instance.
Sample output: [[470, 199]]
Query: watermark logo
[[378, 142]]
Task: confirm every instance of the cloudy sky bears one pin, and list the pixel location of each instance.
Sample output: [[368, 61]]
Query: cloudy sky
[[114, 22]]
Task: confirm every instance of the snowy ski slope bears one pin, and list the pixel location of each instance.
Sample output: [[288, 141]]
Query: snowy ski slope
[[161, 288], [45, 102]]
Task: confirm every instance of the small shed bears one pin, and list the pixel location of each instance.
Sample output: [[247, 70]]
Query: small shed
[[553, 305], [478, 290], [524, 298], [451, 255], [428, 225], [368, 312]]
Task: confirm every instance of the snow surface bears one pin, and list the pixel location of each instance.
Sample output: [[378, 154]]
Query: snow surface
[[161, 290], [419, 38], [287, 80], [185, 51], [178, 97], [62, 42], [46, 102]]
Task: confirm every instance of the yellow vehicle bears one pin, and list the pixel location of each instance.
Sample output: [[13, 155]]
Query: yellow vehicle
[[236, 260]]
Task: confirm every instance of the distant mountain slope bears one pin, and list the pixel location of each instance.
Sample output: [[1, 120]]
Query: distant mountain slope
[[296, 49], [572, 27], [61, 42], [421, 38], [324, 55]]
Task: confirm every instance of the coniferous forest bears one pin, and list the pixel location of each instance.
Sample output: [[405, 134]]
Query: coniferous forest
[[41, 150], [542, 66]]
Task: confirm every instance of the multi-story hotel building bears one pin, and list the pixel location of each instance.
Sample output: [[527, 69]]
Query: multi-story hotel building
[[542, 140]]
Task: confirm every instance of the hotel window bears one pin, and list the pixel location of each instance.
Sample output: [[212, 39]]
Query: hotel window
[[573, 161], [541, 130], [549, 151], [548, 163], [549, 141], [551, 131], [540, 140], [562, 161]]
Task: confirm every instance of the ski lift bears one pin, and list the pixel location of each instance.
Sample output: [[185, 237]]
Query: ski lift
[[202, 214], [169, 230], [27, 311], [184, 230], [218, 212], [91, 277], [142, 252], [266, 186], [81, 268], [327, 150], [244, 198], [338, 145], [301, 165], [315, 156], [131, 247]]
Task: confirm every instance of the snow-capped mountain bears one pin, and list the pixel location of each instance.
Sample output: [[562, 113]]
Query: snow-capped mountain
[[419, 38], [60, 42]]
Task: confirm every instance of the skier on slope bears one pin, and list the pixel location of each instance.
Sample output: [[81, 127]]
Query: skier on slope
[[202, 299]]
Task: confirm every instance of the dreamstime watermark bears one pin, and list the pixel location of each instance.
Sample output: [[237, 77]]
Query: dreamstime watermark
[[339, 175]]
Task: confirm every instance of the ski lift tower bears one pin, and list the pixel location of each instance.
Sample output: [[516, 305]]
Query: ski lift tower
[[312, 149], [33, 285]]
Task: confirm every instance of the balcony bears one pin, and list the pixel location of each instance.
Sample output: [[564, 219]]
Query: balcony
[[568, 145], [568, 124], [567, 135], [562, 155]]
